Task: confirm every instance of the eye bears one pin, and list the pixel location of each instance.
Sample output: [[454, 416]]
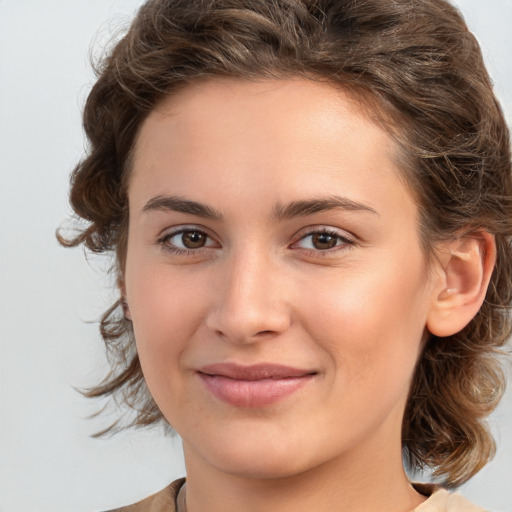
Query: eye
[[186, 240], [323, 240], [191, 239]]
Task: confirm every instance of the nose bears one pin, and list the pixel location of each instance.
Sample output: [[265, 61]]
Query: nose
[[250, 301]]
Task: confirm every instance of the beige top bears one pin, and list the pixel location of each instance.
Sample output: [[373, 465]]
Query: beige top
[[440, 500]]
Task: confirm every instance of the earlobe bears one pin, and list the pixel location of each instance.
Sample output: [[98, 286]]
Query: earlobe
[[126, 309], [465, 271], [123, 300]]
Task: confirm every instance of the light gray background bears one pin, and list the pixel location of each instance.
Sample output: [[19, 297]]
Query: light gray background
[[50, 295]]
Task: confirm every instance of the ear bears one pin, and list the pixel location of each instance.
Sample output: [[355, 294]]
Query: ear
[[124, 303], [465, 269]]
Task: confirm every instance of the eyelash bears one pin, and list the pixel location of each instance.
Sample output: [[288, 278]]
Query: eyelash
[[343, 243], [164, 242]]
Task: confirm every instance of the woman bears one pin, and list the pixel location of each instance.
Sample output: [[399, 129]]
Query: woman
[[310, 206]]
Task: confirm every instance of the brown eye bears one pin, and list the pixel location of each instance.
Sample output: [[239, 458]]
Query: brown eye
[[185, 240], [324, 241], [193, 239]]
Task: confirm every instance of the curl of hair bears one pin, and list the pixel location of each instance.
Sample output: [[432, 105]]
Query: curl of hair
[[415, 63]]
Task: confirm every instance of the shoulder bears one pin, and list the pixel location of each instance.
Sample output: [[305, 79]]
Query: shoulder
[[441, 500], [162, 501]]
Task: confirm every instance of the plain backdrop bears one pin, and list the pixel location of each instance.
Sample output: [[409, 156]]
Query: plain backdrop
[[51, 298]]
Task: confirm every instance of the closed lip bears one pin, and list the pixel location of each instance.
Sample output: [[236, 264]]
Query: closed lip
[[256, 385], [254, 372]]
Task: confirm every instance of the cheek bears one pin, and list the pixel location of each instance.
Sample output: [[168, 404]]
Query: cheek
[[166, 314], [370, 324], [166, 311]]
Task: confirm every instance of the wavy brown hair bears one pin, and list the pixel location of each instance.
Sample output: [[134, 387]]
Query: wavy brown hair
[[419, 71]]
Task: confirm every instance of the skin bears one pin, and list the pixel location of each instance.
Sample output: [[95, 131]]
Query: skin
[[260, 290]]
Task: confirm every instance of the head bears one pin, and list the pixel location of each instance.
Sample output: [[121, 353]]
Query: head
[[426, 88]]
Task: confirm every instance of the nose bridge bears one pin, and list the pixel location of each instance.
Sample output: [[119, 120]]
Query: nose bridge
[[250, 299]]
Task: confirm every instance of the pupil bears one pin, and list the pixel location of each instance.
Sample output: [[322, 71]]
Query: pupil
[[193, 239], [324, 241]]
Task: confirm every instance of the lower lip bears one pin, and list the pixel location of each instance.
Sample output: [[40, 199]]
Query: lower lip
[[253, 393]]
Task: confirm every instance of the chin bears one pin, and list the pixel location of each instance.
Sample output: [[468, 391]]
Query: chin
[[261, 467], [255, 458]]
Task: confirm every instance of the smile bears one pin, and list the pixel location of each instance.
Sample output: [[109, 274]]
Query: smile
[[253, 386]]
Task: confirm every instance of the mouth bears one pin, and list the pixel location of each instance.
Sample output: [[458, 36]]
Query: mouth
[[257, 385]]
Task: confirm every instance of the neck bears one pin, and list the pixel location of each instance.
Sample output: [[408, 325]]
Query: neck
[[360, 481]]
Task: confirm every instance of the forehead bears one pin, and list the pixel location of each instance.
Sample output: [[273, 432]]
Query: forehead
[[300, 136]]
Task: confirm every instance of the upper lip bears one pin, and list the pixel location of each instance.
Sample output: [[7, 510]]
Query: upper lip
[[259, 371]]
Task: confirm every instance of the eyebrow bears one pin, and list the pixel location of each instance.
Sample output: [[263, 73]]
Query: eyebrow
[[311, 206], [179, 204], [294, 209]]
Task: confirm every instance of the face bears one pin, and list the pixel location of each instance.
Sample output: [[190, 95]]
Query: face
[[274, 276]]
